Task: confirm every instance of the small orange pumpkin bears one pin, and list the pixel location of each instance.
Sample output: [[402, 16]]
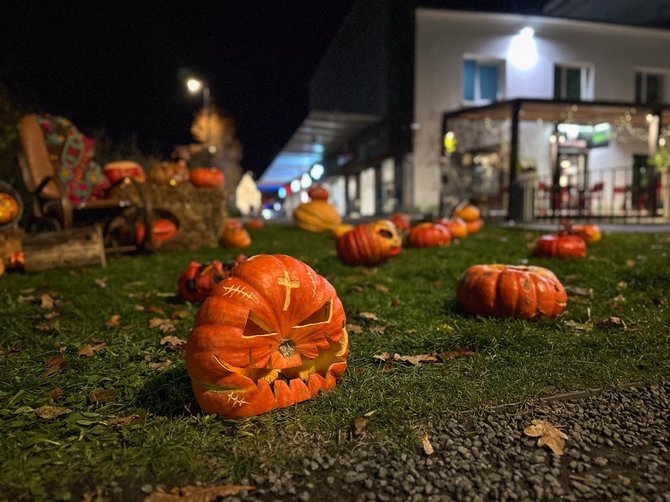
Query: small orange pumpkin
[[317, 192], [234, 237], [270, 335], [369, 244], [468, 213], [401, 221], [198, 280], [116, 171], [474, 226], [255, 223], [426, 235], [560, 246], [206, 177], [9, 208], [162, 230], [511, 291], [590, 233], [457, 227]]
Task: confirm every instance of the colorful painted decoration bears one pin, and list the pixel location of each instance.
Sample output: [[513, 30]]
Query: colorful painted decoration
[[499, 290], [162, 229], [9, 208], [426, 235], [198, 280], [234, 236], [369, 244], [270, 335], [117, 171], [317, 192], [560, 245], [401, 221], [207, 177]]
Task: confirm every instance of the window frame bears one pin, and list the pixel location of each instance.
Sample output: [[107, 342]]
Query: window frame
[[645, 72], [586, 81], [482, 60]]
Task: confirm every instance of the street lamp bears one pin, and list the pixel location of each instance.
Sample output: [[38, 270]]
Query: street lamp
[[194, 86]]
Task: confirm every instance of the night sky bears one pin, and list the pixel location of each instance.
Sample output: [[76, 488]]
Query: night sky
[[115, 65]]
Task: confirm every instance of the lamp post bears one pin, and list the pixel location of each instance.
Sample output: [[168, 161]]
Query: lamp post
[[194, 86]]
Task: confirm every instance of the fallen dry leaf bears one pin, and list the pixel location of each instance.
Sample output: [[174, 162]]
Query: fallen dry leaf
[[427, 447], [56, 394], [433, 357], [50, 412], [101, 282], [436, 283], [102, 396], [113, 321], [619, 299], [54, 366], [123, 421], [160, 365], [164, 325], [90, 349], [44, 327], [359, 425], [156, 310], [25, 299], [574, 291], [622, 285], [179, 314], [195, 493], [354, 328], [369, 315], [630, 263], [453, 354], [613, 322], [381, 288], [377, 330], [173, 342], [549, 435], [139, 308], [369, 271], [47, 301], [586, 326], [396, 302], [50, 315], [357, 288]]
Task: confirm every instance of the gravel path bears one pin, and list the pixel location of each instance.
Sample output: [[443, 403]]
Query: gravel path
[[618, 448]]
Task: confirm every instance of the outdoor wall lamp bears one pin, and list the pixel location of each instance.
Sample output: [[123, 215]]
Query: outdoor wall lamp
[[522, 51]]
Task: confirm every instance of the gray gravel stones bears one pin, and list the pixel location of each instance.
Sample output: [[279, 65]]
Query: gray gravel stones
[[618, 448]]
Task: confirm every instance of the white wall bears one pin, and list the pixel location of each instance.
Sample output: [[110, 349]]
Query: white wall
[[443, 37]]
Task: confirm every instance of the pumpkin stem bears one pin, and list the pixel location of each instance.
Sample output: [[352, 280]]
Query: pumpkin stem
[[287, 348]]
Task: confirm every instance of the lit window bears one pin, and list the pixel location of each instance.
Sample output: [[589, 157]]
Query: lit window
[[648, 87], [482, 80], [573, 82]]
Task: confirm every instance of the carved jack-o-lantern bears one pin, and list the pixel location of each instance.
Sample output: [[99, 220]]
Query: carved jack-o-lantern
[[198, 280], [270, 335], [369, 244]]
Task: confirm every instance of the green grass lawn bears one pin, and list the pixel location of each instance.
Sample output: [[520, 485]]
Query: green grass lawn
[[145, 427]]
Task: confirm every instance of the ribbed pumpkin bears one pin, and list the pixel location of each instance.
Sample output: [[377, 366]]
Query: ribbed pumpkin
[[316, 216], [560, 246], [511, 291], [234, 236], [162, 230], [369, 244], [341, 229], [426, 235], [270, 335], [9, 208], [590, 233], [468, 213], [206, 177], [317, 192], [456, 226], [401, 221], [198, 280]]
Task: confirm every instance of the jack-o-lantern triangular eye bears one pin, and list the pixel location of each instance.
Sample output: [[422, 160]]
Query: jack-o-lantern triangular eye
[[320, 316], [255, 326]]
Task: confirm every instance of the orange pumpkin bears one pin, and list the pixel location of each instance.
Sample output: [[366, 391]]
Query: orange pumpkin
[[426, 235], [234, 237], [456, 226], [590, 233], [317, 192], [116, 171], [401, 221], [474, 226], [9, 208], [468, 213], [560, 246], [169, 173], [369, 244], [206, 177], [270, 335], [316, 216], [162, 230], [511, 291], [197, 281], [255, 223]]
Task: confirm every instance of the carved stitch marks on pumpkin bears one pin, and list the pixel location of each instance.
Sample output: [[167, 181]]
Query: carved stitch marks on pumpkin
[[311, 278], [236, 400], [289, 285], [237, 290]]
